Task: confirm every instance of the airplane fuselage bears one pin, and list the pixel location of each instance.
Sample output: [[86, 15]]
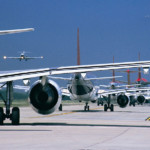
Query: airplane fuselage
[[82, 89]]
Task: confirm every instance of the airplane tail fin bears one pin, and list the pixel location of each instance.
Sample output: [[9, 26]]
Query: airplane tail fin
[[78, 48], [139, 70], [113, 80]]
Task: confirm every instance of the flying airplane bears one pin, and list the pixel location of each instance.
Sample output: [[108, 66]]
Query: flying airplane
[[3, 32], [45, 95], [22, 57]]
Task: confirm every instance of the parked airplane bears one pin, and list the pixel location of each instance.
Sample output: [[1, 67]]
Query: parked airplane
[[80, 87], [138, 96], [111, 92], [45, 95], [22, 57]]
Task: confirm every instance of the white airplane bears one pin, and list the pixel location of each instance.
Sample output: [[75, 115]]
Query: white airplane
[[23, 57], [3, 32], [45, 95], [80, 85]]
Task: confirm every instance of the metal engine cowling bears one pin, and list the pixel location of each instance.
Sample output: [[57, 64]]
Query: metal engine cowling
[[140, 99], [122, 100], [45, 99]]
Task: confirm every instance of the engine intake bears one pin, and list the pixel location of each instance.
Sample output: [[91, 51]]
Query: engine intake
[[122, 100], [45, 99], [141, 99]]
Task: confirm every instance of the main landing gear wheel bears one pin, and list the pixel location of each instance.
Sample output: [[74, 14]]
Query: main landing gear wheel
[[15, 116], [86, 107], [98, 103], [105, 107], [108, 105], [1, 116], [60, 107], [111, 107]]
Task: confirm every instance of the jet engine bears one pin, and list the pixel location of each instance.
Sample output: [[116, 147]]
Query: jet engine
[[122, 100], [45, 99], [140, 99]]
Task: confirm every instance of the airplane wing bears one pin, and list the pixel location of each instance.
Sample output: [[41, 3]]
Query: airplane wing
[[26, 74], [59, 78], [3, 32], [5, 57], [109, 92], [65, 92], [102, 78], [99, 78], [34, 57]]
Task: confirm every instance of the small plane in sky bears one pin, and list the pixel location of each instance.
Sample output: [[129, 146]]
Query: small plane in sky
[[22, 56]]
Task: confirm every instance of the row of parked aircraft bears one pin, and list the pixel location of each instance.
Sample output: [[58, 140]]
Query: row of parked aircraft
[[45, 95]]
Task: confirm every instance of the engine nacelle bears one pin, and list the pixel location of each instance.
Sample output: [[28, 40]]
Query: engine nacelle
[[122, 100], [45, 99], [140, 99]]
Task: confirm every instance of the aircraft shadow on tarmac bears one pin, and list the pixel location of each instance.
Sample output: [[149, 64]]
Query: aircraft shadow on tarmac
[[87, 111], [68, 124]]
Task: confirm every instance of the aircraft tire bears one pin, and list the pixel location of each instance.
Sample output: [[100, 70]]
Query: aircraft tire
[[105, 107], [1, 116], [15, 116], [111, 107], [60, 107], [84, 108]]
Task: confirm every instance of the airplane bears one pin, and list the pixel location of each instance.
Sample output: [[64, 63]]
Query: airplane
[[80, 86], [138, 96], [45, 95], [111, 92], [4, 32], [22, 57]]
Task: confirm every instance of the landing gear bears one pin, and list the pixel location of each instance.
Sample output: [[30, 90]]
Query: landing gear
[[108, 105], [60, 107], [86, 107], [132, 101], [105, 107], [1, 116], [15, 115], [100, 103]]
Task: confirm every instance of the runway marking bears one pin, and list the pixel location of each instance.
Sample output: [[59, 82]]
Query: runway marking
[[53, 115]]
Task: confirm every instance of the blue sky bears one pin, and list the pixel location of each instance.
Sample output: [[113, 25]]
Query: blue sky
[[119, 28]]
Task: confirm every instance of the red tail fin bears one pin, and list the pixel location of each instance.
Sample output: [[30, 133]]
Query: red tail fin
[[139, 74], [113, 72], [78, 48]]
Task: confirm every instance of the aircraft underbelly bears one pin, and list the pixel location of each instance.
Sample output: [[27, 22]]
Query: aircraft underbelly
[[85, 97]]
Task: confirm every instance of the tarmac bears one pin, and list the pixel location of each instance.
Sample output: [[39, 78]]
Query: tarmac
[[75, 129]]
